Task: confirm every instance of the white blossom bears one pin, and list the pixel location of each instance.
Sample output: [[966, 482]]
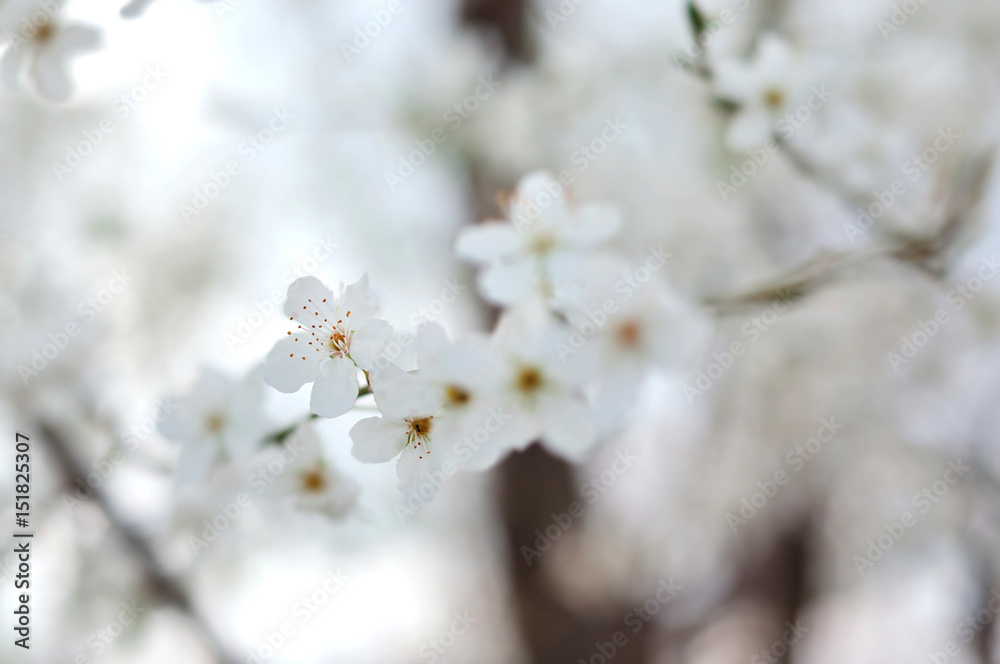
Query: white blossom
[[43, 46], [542, 246], [764, 88], [219, 417], [410, 427], [311, 481], [541, 390], [332, 337]]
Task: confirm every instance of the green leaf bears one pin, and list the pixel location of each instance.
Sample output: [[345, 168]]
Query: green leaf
[[698, 22]]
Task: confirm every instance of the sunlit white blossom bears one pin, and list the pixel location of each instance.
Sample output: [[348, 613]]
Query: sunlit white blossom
[[331, 338], [410, 427]]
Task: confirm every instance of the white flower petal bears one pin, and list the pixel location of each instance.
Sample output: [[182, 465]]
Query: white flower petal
[[567, 429], [592, 224], [749, 128], [73, 39], [359, 300], [292, 363], [431, 343], [184, 424], [336, 388], [307, 297], [733, 81], [11, 65], [240, 441], [195, 461], [418, 473], [377, 440], [773, 58], [487, 242], [400, 395], [368, 342], [51, 76], [539, 198], [507, 283]]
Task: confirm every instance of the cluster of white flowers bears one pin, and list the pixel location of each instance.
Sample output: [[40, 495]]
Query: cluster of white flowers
[[579, 330]]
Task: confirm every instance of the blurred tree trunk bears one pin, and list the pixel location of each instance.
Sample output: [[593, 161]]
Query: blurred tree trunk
[[507, 19], [535, 485]]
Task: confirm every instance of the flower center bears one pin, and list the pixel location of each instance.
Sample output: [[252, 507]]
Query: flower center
[[529, 380], [418, 432], [419, 428], [215, 423], [339, 342], [456, 396], [314, 481], [629, 334], [542, 243], [45, 33], [774, 97]]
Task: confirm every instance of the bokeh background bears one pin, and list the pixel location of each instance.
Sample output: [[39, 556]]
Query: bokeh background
[[763, 502]]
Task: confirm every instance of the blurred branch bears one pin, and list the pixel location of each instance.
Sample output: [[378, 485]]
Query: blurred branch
[[166, 586], [931, 253]]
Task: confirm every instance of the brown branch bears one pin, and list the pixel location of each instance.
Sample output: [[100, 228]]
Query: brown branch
[[165, 585]]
